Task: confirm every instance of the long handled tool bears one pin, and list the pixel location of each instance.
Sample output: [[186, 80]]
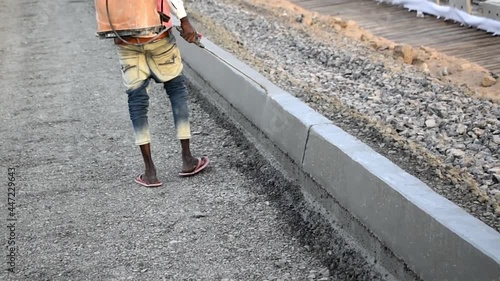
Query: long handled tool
[[198, 38], [199, 44]]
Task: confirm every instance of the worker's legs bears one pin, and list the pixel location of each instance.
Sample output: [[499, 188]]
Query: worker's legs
[[177, 92], [138, 104], [135, 73], [165, 62]]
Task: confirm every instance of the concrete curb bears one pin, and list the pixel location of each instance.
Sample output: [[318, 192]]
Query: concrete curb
[[434, 237]]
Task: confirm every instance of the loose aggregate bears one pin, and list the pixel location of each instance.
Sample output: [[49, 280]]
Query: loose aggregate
[[79, 214], [435, 131]]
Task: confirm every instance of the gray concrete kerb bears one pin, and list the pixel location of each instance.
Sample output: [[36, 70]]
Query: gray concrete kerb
[[436, 238]]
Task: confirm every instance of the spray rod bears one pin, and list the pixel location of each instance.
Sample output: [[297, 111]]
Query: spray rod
[[199, 44], [198, 38]]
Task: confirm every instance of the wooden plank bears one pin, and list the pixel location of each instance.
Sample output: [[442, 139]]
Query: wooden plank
[[397, 24]]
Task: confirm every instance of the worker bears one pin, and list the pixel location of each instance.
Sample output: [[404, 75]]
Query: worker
[[161, 61]]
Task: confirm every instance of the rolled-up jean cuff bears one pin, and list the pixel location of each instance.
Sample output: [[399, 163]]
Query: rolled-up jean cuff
[[142, 135], [142, 142], [183, 127], [142, 139]]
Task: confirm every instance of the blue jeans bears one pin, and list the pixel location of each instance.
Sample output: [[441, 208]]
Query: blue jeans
[[138, 104], [160, 61]]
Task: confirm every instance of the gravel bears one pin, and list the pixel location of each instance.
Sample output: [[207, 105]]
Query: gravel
[[435, 131], [79, 214]]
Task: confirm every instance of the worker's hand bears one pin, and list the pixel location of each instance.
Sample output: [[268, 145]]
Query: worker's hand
[[188, 32]]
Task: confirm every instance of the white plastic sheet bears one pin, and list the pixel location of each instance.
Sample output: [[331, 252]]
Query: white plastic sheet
[[448, 13]]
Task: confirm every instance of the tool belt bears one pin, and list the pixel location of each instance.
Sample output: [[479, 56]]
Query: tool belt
[[142, 40]]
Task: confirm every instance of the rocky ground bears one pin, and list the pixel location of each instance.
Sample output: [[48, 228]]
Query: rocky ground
[[80, 216], [436, 131]]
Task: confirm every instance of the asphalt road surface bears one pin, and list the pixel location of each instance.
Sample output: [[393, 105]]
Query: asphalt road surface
[[77, 214]]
